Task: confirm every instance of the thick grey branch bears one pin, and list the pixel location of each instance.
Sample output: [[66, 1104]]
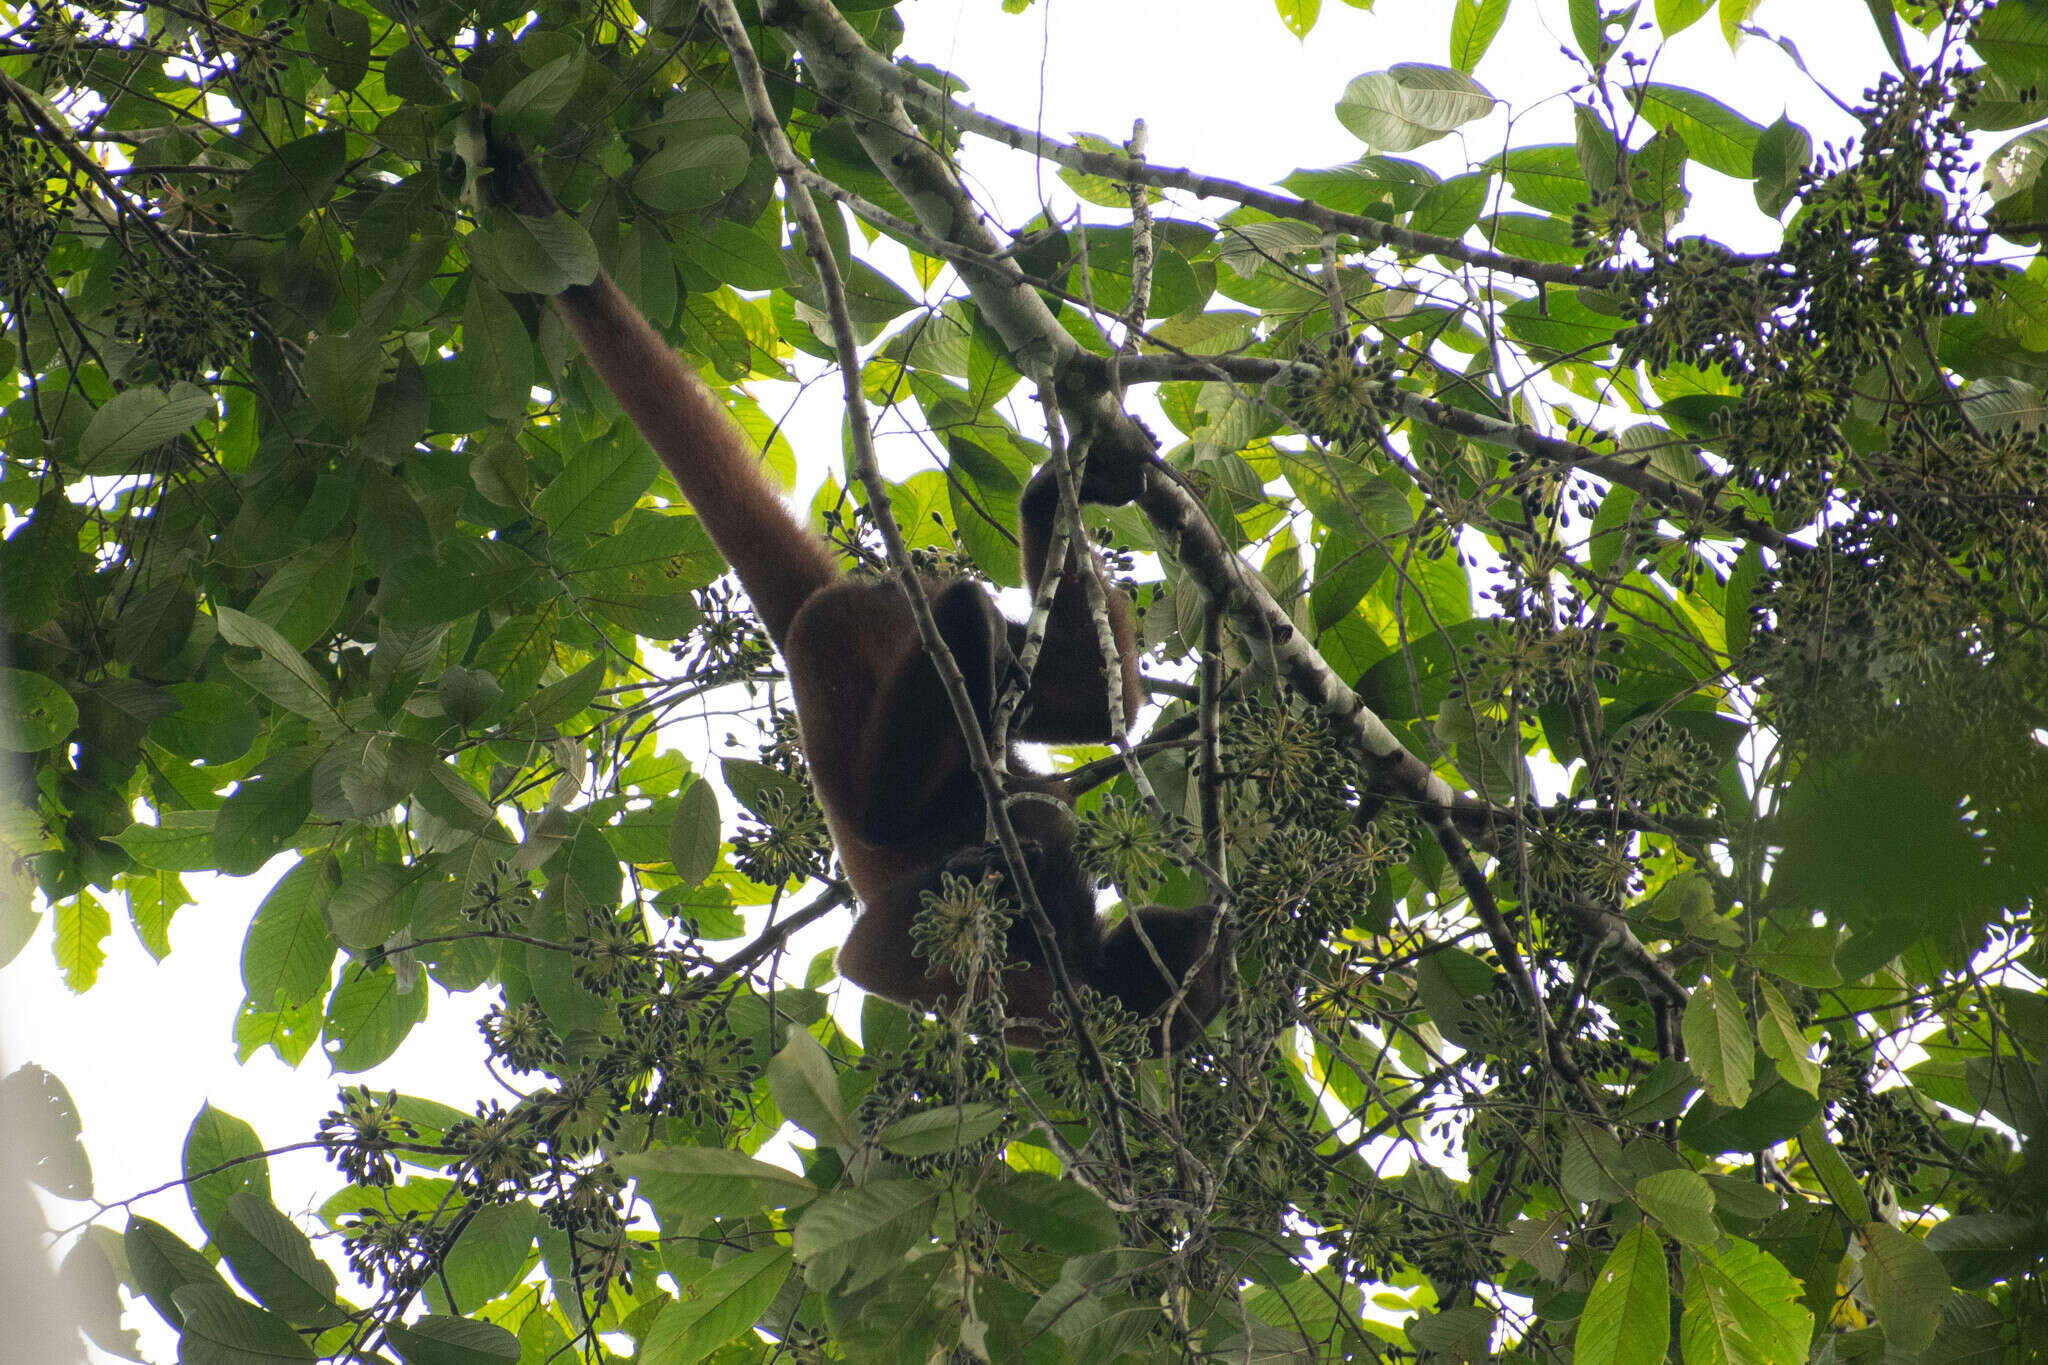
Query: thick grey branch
[[828, 36]]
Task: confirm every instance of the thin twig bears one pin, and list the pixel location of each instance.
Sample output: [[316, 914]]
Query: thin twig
[[725, 18]]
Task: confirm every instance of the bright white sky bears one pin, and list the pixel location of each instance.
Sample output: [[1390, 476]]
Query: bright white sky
[[1224, 88]]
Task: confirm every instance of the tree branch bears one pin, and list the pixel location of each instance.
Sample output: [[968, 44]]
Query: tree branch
[[1549, 450], [829, 37]]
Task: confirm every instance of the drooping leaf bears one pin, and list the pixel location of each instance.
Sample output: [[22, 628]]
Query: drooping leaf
[[858, 1236], [1719, 1042], [46, 1128], [274, 1261], [1628, 1315], [1907, 1285], [137, 420], [220, 1329], [691, 173], [223, 1158], [1411, 104], [1059, 1215], [289, 183], [1741, 1308], [1474, 25], [719, 1307], [442, 1340], [806, 1090]]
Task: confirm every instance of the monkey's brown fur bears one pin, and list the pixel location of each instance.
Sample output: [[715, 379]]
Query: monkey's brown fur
[[886, 756]]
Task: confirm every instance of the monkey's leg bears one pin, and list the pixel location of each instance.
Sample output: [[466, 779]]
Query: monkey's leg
[[1069, 697]]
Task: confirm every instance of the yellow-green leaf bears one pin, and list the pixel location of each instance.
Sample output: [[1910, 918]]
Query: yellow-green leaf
[[1628, 1315]]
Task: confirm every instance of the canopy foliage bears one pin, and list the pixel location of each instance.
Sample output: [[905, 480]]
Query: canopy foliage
[[1670, 988]]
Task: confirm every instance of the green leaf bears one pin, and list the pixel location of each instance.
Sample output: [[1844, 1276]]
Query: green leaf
[[1474, 25], [35, 712], [1742, 1308], [339, 40], [180, 841], [290, 681], [437, 1340], [1454, 1333], [467, 693], [162, 1263], [806, 1089], [1735, 15], [1536, 1242], [303, 599], [371, 904], [1628, 1315], [222, 1158], [220, 1329], [1546, 177], [466, 576], [691, 173], [1906, 1283], [214, 723], [1683, 1202], [560, 700], [1589, 25], [599, 486], [2016, 166], [863, 1233], [139, 419], [694, 836], [1717, 136], [1592, 1169], [1299, 15], [487, 1258], [289, 1032], [1410, 104], [946, 1129], [1775, 1111], [733, 254], [708, 1182], [263, 815], [45, 1132], [1662, 1093], [530, 106], [1887, 843], [1804, 954], [287, 954], [540, 255], [2014, 40], [1719, 1044], [1783, 1042], [1833, 1172], [153, 897], [717, 1308], [1675, 16], [1059, 1215], [1449, 208], [1781, 157], [495, 343], [368, 1016], [412, 75], [1980, 1249], [275, 1262], [289, 183], [82, 926], [341, 374]]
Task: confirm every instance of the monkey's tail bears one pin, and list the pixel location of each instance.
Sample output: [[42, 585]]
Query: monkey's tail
[[779, 561]]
